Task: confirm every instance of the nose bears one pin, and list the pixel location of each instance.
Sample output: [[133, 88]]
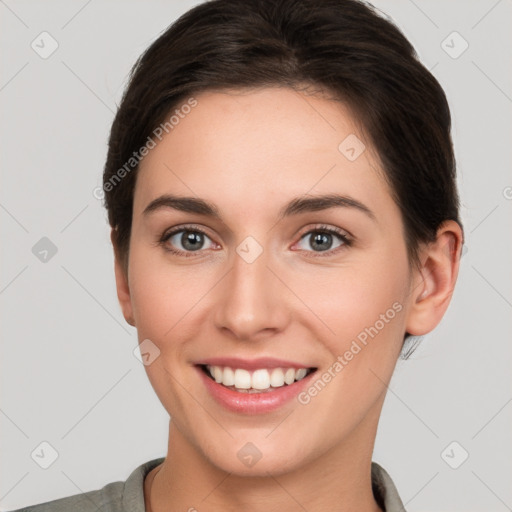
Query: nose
[[253, 300]]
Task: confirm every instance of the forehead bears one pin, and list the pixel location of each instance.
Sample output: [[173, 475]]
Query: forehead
[[251, 148]]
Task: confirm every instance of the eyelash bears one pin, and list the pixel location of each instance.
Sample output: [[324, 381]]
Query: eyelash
[[346, 239]]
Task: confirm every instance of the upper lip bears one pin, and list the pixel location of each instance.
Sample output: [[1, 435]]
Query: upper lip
[[252, 364]]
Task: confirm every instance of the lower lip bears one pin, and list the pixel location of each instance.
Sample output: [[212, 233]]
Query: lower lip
[[253, 403]]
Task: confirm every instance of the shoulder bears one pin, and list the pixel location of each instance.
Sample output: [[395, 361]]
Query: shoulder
[[385, 491], [114, 497], [107, 499]]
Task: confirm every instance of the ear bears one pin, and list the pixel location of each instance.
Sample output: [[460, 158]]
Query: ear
[[434, 282], [122, 285]]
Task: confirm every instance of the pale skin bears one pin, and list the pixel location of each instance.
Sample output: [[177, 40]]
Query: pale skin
[[249, 154]]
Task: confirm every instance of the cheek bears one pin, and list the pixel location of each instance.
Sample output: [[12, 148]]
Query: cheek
[[163, 299], [162, 294], [356, 302], [365, 315]]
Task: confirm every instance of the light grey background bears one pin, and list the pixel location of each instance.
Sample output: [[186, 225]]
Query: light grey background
[[68, 374]]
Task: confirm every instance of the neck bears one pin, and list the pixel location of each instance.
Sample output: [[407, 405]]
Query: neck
[[339, 480]]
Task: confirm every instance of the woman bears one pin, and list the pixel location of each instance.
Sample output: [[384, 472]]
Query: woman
[[280, 184]]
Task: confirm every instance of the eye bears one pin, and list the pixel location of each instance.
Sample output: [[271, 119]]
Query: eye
[[321, 240], [187, 240], [190, 238]]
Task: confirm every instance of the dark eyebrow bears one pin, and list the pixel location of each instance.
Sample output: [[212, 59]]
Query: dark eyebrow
[[294, 207], [183, 204], [324, 202]]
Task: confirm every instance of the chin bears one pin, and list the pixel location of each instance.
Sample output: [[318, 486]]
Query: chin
[[271, 463], [256, 455]]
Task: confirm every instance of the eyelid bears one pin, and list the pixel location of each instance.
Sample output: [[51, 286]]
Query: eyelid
[[326, 227], [184, 227], [165, 237], [346, 237]]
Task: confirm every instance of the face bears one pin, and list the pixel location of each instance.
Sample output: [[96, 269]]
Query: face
[[272, 283]]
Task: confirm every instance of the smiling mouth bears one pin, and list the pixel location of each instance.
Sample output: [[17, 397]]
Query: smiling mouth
[[258, 381]]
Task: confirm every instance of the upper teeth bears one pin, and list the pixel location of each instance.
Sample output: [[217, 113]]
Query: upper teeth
[[259, 379]]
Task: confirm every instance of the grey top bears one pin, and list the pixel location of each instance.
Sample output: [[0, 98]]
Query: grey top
[[129, 496]]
